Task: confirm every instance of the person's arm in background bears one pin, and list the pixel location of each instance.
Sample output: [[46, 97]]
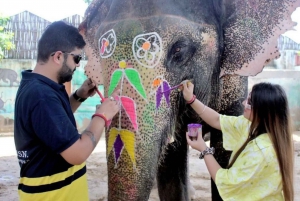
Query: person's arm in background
[[208, 115]]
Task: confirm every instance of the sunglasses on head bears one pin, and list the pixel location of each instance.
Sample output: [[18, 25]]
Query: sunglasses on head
[[76, 57]]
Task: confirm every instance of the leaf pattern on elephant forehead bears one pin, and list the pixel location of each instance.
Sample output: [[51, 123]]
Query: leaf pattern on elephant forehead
[[129, 106], [115, 79], [118, 139], [134, 79], [163, 90], [107, 43], [132, 75], [147, 49]]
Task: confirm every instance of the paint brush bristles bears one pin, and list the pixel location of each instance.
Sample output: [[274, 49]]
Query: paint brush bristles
[[177, 86]]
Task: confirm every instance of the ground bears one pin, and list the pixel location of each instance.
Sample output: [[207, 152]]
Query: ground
[[97, 173]]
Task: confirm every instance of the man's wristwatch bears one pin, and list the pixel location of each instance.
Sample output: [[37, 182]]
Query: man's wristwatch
[[76, 97], [208, 150]]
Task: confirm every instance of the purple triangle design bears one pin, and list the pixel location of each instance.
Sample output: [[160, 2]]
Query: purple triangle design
[[159, 95], [166, 88], [118, 146]]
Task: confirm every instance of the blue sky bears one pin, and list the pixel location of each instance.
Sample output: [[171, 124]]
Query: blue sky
[[58, 9]]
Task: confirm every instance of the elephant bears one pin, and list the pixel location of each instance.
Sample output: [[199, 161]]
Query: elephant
[[8, 74], [146, 49]]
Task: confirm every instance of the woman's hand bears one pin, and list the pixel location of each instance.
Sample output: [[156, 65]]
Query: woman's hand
[[198, 144], [110, 106], [188, 89]]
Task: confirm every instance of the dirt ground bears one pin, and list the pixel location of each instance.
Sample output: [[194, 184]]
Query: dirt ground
[[97, 173]]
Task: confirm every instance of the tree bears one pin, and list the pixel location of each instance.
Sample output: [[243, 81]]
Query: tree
[[88, 1], [5, 37]]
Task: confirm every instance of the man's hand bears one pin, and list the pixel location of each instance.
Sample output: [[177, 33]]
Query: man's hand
[[87, 89], [110, 106]]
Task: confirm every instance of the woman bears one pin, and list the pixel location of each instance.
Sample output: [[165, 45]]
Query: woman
[[261, 164]]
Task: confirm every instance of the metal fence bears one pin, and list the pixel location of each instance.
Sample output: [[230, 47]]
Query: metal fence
[[28, 28]]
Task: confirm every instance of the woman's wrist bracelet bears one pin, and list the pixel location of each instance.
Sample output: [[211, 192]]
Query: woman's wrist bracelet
[[192, 100], [101, 116]]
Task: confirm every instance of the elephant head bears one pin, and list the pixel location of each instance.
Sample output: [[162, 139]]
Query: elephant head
[[147, 47]]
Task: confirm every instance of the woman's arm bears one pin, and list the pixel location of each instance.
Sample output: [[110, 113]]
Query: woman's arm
[[208, 115], [212, 166], [210, 161]]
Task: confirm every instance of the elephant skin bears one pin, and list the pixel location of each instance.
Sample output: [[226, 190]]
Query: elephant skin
[[146, 47], [8, 75]]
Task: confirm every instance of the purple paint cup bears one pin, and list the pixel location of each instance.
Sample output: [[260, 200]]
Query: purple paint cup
[[193, 130]]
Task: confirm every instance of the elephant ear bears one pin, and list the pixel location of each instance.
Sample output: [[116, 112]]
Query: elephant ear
[[251, 31]]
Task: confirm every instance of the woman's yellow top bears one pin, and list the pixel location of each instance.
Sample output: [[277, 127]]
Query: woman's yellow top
[[255, 175]]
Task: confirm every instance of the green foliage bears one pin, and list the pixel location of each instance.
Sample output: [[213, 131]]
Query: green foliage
[[5, 37], [88, 1]]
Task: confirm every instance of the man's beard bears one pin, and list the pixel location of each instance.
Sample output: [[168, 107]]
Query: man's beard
[[65, 74]]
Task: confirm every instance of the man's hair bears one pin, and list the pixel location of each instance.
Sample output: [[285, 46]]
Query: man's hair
[[58, 36]]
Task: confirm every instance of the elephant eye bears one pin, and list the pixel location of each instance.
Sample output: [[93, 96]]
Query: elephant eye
[[180, 53]]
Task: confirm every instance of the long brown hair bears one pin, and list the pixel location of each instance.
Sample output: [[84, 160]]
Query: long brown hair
[[270, 114]]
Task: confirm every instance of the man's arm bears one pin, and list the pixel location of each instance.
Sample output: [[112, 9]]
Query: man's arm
[[83, 147], [74, 103], [86, 90]]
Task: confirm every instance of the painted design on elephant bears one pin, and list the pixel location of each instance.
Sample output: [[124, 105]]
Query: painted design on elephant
[[107, 43], [209, 41], [131, 75], [147, 49], [253, 4], [125, 183], [129, 106], [252, 34], [118, 140], [161, 88]]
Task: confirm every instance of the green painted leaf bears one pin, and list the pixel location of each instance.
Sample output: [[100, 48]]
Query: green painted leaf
[[134, 78], [115, 78]]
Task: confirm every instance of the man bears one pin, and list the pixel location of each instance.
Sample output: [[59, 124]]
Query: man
[[51, 152]]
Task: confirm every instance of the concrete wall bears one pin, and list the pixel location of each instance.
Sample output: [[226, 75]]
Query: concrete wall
[[10, 76], [290, 81], [8, 89]]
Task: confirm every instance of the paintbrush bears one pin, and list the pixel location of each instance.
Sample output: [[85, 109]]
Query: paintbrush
[[177, 86], [98, 92]]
